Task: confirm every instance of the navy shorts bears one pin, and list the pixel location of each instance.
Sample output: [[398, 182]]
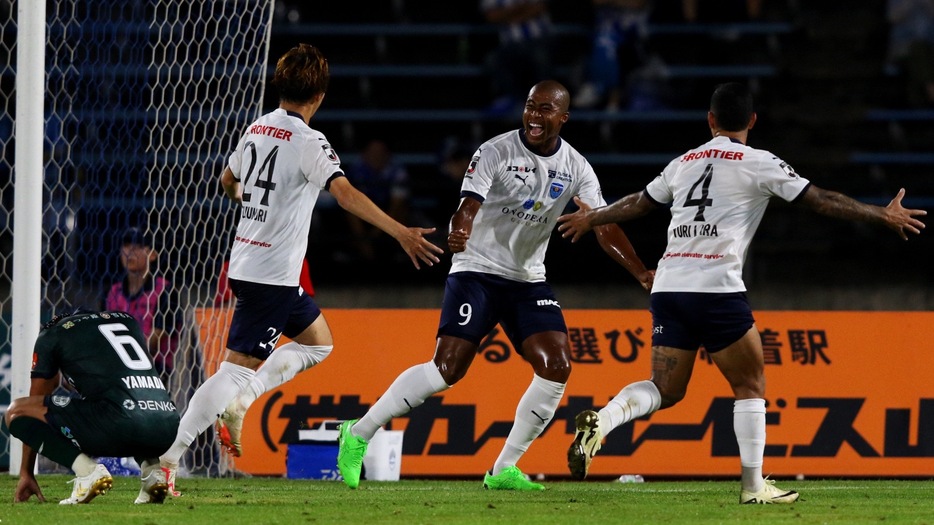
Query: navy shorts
[[475, 302], [264, 312], [689, 320]]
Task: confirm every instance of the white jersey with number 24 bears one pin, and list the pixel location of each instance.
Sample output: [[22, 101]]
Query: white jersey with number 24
[[282, 165]]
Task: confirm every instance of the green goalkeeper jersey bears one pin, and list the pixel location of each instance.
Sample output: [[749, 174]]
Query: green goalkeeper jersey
[[103, 356]]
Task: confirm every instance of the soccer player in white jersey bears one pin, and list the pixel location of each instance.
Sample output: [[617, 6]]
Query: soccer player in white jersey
[[515, 187], [718, 194], [276, 173]]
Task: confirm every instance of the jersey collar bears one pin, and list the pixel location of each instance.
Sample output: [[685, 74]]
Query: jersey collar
[[529, 147]]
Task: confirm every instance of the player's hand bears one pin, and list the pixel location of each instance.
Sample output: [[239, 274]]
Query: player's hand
[[901, 219], [457, 241], [418, 247], [647, 279], [576, 224], [26, 488]]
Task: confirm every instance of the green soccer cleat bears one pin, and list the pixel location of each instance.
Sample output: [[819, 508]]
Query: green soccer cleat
[[511, 478], [350, 454]]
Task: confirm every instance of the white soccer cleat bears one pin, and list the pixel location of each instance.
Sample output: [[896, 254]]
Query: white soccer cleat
[[153, 487], [230, 428], [768, 494], [586, 443], [86, 488]]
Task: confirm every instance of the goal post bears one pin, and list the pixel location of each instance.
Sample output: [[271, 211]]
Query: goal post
[[143, 101]]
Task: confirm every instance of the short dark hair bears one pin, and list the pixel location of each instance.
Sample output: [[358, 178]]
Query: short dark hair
[[301, 74], [64, 313], [731, 104], [136, 236]]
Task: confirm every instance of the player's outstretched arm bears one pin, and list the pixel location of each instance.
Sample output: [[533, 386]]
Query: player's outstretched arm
[[413, 239], [894, 216], [576, 224]]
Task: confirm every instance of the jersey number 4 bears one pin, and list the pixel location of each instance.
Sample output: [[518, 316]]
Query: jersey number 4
[[265, 170], [704, 200]]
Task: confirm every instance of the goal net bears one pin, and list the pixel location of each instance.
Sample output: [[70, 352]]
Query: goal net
[[144, 100]]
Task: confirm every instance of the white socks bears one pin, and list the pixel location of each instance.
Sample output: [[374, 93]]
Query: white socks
[[749, 426], [534, 412], [634, 401], [408, 391], [286, 362], [206, 406], [83, 465]]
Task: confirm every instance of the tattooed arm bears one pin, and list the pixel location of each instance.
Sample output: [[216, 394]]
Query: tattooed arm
[[893, 216]]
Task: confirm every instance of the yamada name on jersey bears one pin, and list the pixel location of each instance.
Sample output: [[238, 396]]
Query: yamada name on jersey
[[143, 382]]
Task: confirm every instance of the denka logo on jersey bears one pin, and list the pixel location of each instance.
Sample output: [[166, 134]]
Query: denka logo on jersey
[[555, 190]]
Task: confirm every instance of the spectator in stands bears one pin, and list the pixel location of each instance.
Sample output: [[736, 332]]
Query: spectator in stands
[[386, 183], [453, 160], [147, 297], [617, 49], [721, 10], [523, 56], [911, 46]]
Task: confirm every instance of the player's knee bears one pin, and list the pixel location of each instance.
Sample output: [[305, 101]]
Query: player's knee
[[670, 396], [557, 370], [317, 353]]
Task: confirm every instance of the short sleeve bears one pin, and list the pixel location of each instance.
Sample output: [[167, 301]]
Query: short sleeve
[[659, 189], [482, 170], [590, 191], [319, 161], [778, 178], [44, 361], [233, 161]]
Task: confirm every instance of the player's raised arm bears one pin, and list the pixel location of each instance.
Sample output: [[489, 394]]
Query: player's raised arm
[[412, 239], [894, 216]]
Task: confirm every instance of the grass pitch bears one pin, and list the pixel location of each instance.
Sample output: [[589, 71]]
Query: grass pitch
[[261, 501]]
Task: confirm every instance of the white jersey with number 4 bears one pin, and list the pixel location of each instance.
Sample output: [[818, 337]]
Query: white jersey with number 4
[[282, 165], [523, 193], [718, 195]]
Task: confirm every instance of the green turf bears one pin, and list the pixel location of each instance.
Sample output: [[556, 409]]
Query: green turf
[[260, 501]]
